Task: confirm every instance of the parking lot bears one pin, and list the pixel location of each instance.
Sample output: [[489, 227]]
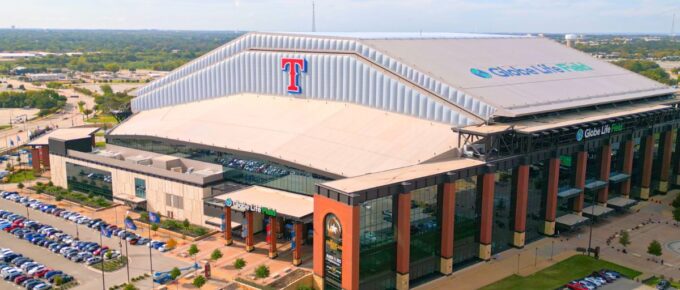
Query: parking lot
[[88, 277], [625, 284]]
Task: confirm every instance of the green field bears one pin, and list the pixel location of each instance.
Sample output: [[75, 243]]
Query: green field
[[102, 119], [559, 274], [21, 176]]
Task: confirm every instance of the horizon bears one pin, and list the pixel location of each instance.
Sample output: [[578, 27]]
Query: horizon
[[487, 16]]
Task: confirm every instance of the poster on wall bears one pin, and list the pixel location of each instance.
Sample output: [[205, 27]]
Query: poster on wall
[[333, 250]]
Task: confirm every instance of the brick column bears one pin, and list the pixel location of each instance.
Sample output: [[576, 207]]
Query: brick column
[[448, 221], [272, 237], [36, 159], [250, 241], [580, 180], [667, 149], [227, 226], [605, 169], [485, 188], [45, 156], [551, 200], [297, 252], [647, 159], [627, 167], [403, 239], [520, 187]]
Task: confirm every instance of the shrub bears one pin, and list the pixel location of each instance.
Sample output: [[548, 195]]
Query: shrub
[[676, 202], [262, 271], [171, 243], [174, 273], [58, 280], [50, 183], [20, 185], [154, 227], [216, 255], [59, 198], [305, 287], [186, 223], [624, 240], [193, 250], [144, 216], [676, 214], [130, 287], [239, 263], [654, 248], [199, 281]]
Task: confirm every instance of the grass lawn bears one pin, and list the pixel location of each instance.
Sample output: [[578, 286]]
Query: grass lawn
[[100, 144], [655, 280], [559, 274], [112, 265], [102, 119], [21, 176]]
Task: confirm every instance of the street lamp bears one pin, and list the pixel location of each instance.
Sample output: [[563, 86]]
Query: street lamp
[[592, 222]]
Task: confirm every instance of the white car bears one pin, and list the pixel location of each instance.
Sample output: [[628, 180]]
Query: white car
[[35, 270]]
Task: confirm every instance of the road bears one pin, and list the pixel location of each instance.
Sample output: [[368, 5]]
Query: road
[[69, 117], [88, 277]]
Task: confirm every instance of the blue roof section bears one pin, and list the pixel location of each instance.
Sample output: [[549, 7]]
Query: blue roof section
[[400, 35]]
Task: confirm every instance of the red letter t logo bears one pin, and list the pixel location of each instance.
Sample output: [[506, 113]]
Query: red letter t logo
[[294, 66]]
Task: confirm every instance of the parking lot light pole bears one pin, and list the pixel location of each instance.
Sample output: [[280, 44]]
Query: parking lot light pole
[[101, 244], [77, 232], [150, 258]]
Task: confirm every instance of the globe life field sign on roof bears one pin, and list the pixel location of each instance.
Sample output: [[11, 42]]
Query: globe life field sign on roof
[[538, 69]]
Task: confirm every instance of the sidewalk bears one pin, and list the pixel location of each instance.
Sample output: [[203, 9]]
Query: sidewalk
[[534, 257]]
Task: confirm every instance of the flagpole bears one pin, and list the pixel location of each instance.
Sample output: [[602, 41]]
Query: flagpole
[[101, 245], [151, 258], [127, 254]]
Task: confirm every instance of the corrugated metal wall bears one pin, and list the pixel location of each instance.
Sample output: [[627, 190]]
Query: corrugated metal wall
[[333, 77], [298, 43]]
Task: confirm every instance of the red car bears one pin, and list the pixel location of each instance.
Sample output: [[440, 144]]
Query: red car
[[41, 273], [575, 285], [20, 278], [100, 251]]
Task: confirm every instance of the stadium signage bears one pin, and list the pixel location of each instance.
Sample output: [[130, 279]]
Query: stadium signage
[[294, 67], [598, 131], [242, 206], [538, 69]]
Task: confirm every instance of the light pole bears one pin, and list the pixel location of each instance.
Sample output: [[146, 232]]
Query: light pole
[[77, 232], [592, 221]]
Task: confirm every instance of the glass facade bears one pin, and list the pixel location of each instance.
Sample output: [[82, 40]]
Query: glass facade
[[426, 239], [140, 188], [618, 153], [88, 180], [249, 171], [636, 177], [502, 232], [466, 229], [538, 180], [566, 180], [377, 262]]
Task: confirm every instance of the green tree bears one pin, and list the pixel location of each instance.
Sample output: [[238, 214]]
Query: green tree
[[216, 255], [20, 185], [676, 214], [239, 263], [58, 280], [81, 106], [654, 248], [199, 281], [87, 112], [130, 287], [193, 251], [624, 239], [174, 273], [676, 202], [186, 223], [262, 271], [154, 227]]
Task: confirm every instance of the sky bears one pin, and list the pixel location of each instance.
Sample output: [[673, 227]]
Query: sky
[[512, 16]]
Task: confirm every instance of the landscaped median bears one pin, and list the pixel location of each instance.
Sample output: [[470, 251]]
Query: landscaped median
[[60, 193], [555, 276], [112, 264], [182, 227]]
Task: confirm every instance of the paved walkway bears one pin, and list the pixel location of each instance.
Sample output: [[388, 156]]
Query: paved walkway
[[653, 220]]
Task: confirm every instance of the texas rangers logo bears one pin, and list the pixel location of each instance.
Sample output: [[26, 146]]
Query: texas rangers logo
[[294, 67]]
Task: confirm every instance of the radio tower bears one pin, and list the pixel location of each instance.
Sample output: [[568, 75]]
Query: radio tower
[[313, 17], [673, 27]]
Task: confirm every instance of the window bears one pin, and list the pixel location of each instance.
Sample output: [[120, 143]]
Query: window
[[140, 188], [175, 201], [89, 180]]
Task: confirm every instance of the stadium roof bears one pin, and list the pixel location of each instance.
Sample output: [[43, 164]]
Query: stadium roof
[[333, 138], [475, 75]]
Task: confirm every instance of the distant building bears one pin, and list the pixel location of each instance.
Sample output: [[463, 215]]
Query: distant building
[[48, 77]]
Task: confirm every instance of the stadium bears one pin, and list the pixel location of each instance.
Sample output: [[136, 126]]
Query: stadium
[[398, 157]]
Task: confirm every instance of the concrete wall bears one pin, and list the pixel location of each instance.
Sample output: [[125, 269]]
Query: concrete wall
[[123, 184]]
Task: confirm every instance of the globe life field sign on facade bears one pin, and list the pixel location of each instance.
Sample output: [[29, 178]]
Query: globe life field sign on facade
[[538, 69], [598, 131], [242, 206]]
